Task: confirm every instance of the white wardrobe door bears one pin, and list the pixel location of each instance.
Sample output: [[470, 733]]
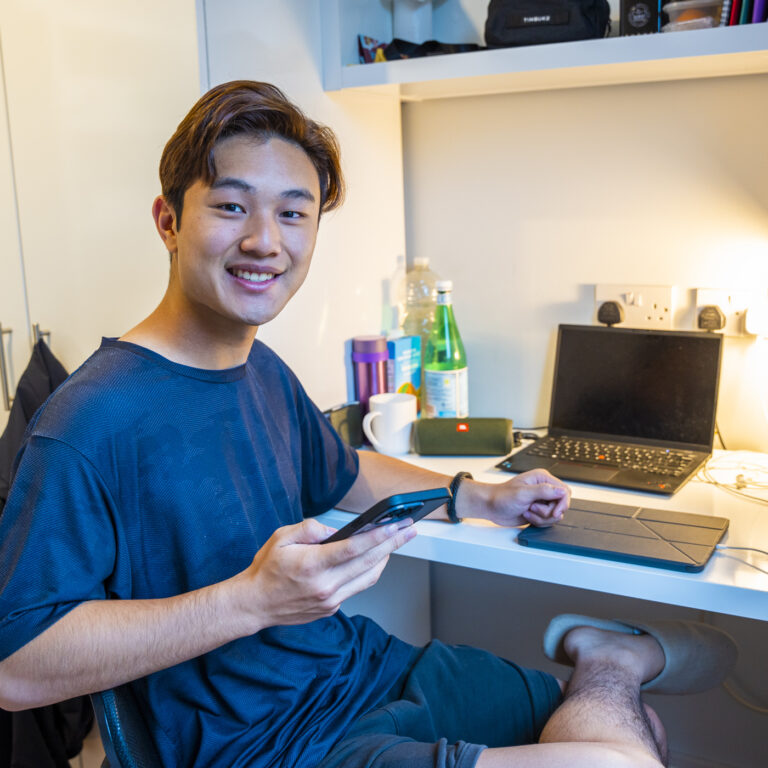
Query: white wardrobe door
[[13, 300], [94, 91]]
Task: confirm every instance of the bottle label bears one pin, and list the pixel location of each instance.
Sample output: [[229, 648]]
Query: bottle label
[[447, 394], [404, 365]]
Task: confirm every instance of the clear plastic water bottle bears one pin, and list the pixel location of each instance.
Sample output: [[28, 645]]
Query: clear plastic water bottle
[[393, 307], [420, 301], [446, 376]]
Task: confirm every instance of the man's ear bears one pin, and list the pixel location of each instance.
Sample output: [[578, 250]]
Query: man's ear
[[165, 221]]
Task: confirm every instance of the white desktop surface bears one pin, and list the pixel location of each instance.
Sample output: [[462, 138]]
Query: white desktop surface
[[733, 582]]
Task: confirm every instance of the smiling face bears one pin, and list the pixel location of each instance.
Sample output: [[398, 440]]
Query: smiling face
[[246, 241]]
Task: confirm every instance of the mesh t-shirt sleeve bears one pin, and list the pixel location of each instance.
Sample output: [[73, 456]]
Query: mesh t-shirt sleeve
[[57, 541], [329, 465]]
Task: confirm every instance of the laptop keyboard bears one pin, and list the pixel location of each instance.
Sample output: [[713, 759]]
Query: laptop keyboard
[[657, 461]]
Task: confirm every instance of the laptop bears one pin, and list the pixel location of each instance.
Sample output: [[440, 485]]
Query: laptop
[[662, 538], [631, 408]]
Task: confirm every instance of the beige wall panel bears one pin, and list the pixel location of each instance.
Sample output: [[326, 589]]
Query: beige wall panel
[[527, 200]]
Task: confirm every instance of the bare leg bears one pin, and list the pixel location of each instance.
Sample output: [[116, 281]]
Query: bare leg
[[602, 722], [658, 732], [602, 699]]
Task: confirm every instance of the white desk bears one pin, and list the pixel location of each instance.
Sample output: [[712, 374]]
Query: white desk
[[728, 584]]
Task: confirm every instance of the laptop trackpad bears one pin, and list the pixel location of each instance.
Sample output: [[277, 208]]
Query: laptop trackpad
[[572, 471]]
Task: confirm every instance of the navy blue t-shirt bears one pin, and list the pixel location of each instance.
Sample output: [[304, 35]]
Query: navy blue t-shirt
[[143, 478]]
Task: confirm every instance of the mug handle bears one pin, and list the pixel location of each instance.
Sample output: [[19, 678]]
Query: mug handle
[[368, 430]]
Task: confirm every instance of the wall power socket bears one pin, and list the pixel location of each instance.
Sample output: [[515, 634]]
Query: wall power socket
[[733, 305], [645, 306]]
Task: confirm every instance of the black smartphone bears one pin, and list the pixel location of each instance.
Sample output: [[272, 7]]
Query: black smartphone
[[393, 509]]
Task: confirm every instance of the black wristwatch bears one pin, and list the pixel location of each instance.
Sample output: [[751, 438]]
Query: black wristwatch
[[454, 488]]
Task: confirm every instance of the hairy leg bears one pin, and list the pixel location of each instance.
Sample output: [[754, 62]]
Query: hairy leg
[[602, 722], [658, 732]]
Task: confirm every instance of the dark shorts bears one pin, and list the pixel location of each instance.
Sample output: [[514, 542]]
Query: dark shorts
[[449, 704]]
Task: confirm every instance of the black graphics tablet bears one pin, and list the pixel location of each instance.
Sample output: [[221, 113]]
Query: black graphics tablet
[[681, 541]]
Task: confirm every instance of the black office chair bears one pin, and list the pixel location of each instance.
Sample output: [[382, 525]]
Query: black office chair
[[124, 732]]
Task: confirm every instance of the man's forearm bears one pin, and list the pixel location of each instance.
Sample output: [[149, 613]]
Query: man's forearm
[[103, 643], [533, 497], [381, 476]]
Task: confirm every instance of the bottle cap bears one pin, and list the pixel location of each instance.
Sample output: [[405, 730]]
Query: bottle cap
[[421, 261], [443, 286]]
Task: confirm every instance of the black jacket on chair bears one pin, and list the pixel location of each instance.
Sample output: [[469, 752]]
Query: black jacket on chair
[[45, 737], [43, 374]]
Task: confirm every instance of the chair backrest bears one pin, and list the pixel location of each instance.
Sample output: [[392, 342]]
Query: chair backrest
[[124, 732]]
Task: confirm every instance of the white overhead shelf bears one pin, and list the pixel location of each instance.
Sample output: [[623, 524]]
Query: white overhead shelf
[[647, 58]]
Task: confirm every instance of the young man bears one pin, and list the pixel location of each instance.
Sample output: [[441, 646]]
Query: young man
[[160, 526]]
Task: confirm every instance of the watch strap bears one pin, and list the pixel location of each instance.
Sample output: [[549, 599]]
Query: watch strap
[[458, 478]]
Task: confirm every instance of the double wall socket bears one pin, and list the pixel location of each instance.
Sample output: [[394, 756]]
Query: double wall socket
[[734, 306], [645, 306]]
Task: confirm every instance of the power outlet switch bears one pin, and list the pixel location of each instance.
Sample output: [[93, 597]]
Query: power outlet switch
[[645, 306]]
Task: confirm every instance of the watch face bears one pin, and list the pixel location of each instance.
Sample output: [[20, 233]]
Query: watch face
[[639, 15]]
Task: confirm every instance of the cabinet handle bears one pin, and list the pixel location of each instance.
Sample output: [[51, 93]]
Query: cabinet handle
[[7, 399], [38, 334]]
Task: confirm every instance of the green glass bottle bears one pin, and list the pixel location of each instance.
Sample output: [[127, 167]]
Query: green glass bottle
[[445, 362]]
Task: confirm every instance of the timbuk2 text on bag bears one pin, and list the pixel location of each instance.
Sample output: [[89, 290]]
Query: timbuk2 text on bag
[[531, 22]]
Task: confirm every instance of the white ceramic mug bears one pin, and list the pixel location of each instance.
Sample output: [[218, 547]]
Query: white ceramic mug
[[389, 421]]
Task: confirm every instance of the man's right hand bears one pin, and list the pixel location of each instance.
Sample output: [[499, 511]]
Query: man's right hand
[[102, 643], [295, 579]]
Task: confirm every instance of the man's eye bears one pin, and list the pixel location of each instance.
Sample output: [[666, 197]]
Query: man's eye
[[292, 214], [232, 207]]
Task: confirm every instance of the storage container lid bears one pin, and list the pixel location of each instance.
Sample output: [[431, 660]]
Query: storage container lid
[[369, 349]]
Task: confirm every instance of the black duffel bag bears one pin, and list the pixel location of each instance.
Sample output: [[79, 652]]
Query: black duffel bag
[[531, 22]]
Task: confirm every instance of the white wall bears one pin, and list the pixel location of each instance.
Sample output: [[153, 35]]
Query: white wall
[[527, 200], [357, 245]]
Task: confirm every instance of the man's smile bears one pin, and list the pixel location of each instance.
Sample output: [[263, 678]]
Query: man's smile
[[252, 277]]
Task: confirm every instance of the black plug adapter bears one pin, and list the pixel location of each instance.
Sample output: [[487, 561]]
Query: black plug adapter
[[711, 318], [610, 313]]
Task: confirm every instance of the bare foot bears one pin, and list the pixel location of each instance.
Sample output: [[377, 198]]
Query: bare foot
[[641, 655]]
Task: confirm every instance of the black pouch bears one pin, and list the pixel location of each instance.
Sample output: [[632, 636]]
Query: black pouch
[[532, 22]]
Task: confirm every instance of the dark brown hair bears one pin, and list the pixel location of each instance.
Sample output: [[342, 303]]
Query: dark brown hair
[[254, 109]]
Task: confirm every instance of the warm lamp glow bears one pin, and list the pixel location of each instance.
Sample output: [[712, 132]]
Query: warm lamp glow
[[761, 353], [739, 260]]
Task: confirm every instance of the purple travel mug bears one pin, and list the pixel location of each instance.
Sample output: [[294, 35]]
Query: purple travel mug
[[369, 362]]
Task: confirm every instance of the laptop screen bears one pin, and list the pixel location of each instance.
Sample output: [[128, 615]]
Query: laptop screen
[[636, 384]]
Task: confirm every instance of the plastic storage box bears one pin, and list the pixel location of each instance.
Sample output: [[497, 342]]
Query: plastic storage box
[[692, 14]]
